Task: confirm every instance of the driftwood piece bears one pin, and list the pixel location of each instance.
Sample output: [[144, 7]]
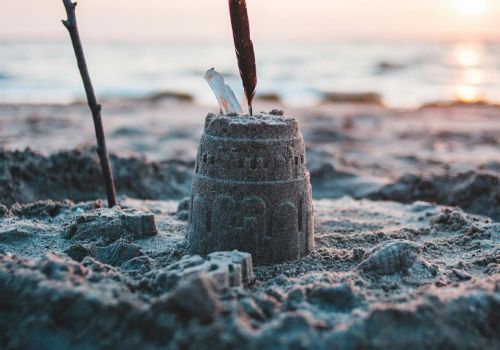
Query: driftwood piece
[[95, 108]]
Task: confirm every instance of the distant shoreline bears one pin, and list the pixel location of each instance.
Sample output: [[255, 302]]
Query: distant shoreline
[[393, 73], [368, 98]]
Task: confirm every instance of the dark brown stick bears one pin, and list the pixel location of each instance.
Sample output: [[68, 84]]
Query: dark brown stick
[[95, 108], [244, 48]]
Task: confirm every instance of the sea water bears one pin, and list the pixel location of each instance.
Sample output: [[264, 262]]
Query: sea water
[[405, 73]]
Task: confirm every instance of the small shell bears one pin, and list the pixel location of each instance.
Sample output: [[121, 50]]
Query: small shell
[[391, 257]]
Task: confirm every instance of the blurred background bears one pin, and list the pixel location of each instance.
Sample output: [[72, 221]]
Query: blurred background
[[409, 52]]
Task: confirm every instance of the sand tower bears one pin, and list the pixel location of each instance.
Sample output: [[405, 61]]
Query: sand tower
[[251, 189]]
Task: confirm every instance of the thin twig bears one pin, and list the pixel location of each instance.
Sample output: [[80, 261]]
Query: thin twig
[[95, 108]]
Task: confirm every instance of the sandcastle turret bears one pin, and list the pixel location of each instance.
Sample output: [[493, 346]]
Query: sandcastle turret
[[251, 189]]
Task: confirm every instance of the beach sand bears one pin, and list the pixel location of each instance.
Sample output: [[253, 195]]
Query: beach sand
[[407, 211]]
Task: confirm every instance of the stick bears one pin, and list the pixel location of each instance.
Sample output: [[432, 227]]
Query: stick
[[244, 48], [95, 108]]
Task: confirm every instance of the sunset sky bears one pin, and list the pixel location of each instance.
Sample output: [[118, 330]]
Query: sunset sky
[[271, 19]]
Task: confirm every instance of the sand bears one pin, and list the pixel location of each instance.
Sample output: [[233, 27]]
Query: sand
[[407, 237]]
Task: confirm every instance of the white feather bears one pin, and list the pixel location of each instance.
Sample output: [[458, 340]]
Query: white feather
[[227, 100]]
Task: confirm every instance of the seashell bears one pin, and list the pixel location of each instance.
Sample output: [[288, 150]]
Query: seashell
[[391, 257]]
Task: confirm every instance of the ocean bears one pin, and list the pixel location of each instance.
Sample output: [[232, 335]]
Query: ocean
[[406, 73]]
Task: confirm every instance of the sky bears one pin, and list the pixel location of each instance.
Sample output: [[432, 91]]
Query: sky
[[270, 19]]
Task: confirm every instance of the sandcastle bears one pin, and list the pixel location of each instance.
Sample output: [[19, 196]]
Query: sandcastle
[[251, 189]]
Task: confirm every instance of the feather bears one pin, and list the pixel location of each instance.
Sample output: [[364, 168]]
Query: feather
[[244, 48], [227, 101]]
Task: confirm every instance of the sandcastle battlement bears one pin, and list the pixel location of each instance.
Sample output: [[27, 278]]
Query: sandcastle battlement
[[273, 125], [223, 159]]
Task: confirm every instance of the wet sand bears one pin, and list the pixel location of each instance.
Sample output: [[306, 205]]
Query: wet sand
[[407, 204]]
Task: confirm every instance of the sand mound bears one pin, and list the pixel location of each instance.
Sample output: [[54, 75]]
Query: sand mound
[[26, 176], [474, 191]]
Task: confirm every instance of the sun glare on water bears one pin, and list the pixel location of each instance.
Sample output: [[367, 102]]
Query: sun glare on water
[[472, 7], [468, 57], [466, 93]]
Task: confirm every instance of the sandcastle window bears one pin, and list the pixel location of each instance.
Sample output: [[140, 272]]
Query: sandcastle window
[[212, 160], [190, 208], [209, 222], [204, 158], [300, 215], [253, 163], [266, 163], [301, 159], [296, 161]]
